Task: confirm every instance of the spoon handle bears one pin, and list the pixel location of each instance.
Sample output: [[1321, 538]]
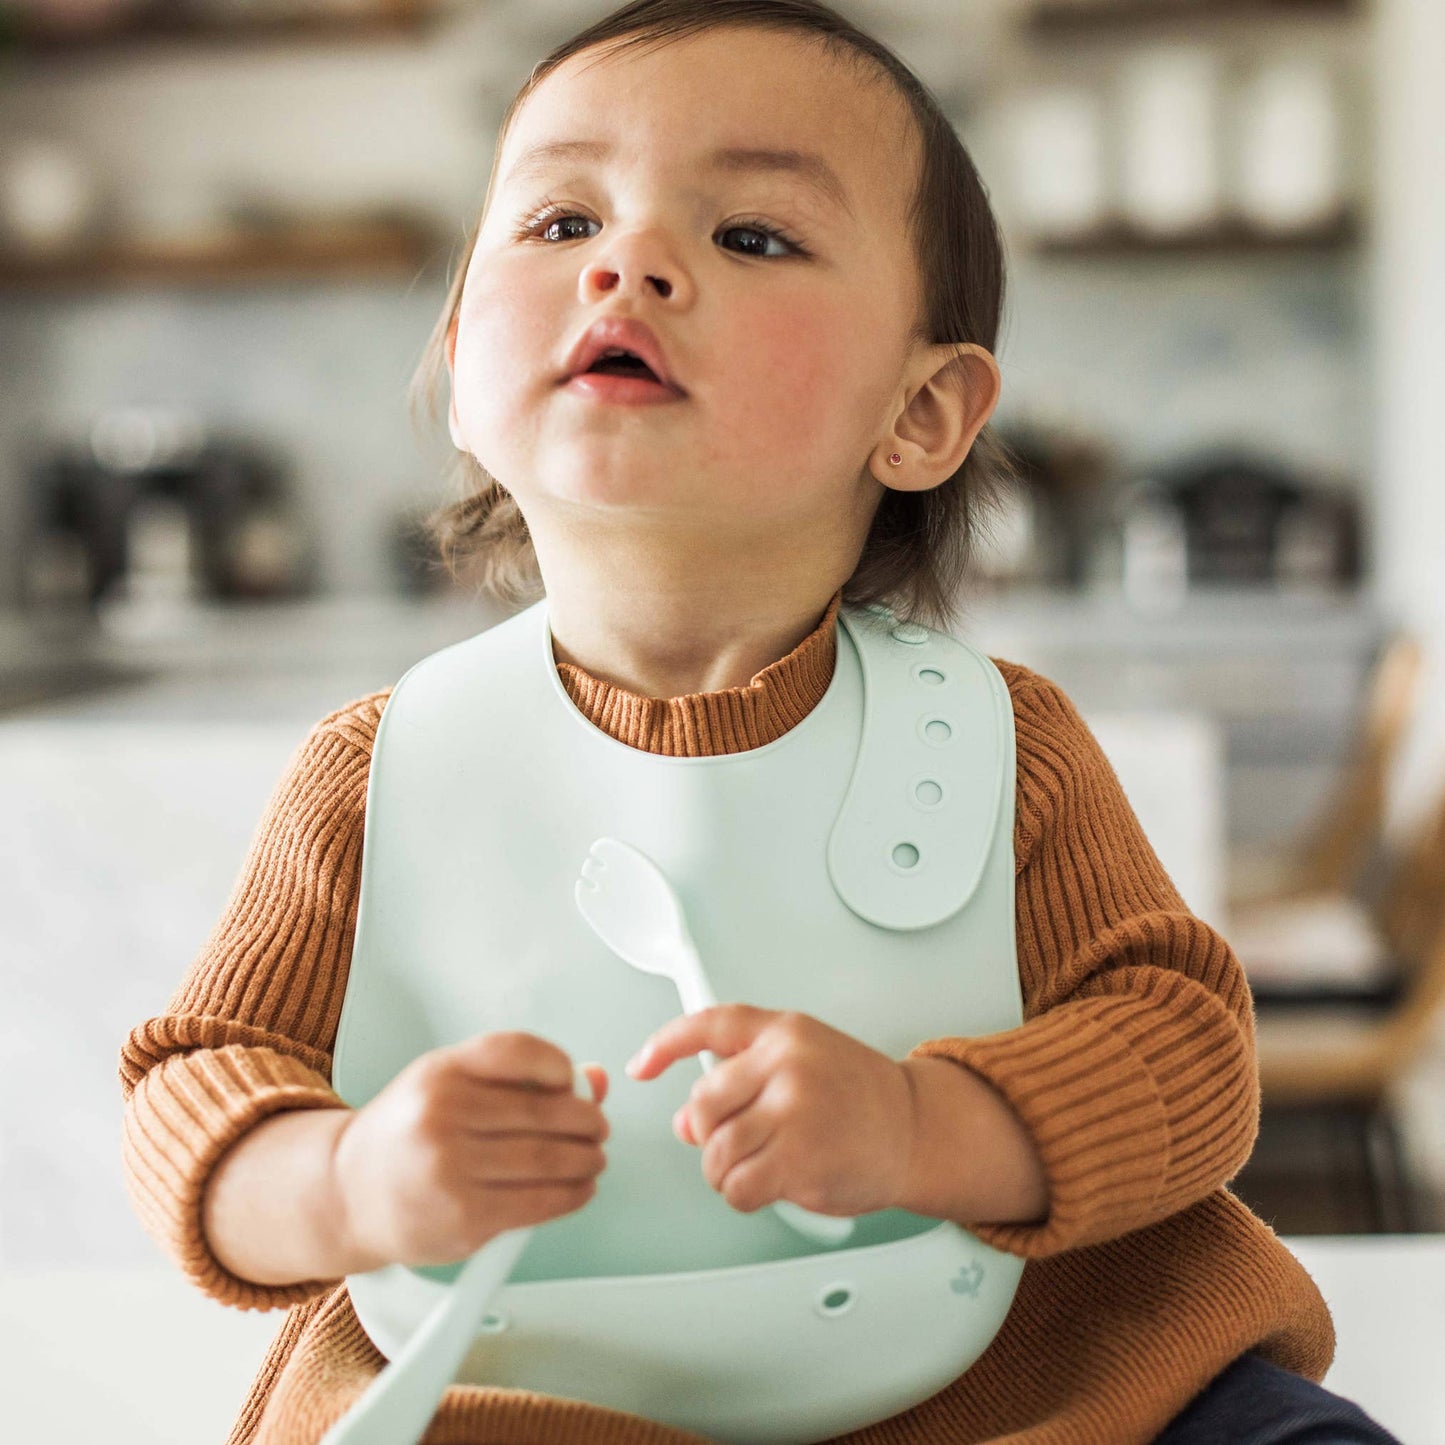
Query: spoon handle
[[693, 990], [398, 1405], [695, 994]]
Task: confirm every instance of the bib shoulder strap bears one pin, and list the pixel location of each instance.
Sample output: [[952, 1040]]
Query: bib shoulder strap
[[455, 679], [933, 780]]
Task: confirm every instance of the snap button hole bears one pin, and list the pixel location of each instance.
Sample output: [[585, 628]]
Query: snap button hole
[[836, 1299]]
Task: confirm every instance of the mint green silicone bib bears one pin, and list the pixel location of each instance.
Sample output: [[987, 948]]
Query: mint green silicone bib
[[858, 869]]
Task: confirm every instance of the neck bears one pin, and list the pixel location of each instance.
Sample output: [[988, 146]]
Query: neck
[[688, 606], [665, 644]]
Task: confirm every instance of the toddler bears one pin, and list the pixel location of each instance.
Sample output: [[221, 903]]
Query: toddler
[[720, 360]]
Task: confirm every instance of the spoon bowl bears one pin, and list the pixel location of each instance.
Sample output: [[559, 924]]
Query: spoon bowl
[[634, 910]]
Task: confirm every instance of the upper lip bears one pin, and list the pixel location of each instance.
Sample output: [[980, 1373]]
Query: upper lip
[[625, 334]]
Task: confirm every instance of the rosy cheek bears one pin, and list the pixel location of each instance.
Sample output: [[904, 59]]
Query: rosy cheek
[[807, 355], [500, 351], [498, 340], [796, 384]]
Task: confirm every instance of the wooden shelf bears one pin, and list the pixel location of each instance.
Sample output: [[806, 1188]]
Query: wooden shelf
[[391, 19], [1226, 238], [1059, 18], [369, 249]]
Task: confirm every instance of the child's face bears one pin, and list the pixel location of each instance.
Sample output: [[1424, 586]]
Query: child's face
[[792, 365]]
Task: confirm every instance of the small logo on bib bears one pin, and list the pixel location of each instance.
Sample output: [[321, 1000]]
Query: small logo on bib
[[970, 1277]]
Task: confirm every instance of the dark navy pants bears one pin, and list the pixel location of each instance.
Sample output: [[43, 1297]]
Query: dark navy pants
[[1253, 1402]]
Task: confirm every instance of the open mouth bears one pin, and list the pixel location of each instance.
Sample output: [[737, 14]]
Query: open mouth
[[623, 364]]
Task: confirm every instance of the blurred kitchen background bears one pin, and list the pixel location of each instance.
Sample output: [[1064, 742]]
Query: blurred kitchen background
[[226, 230]]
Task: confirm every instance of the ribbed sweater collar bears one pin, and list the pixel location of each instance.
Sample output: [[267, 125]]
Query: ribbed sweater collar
[[703, 724]]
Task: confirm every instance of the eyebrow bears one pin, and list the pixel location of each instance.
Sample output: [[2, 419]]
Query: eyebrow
[[811, 169]]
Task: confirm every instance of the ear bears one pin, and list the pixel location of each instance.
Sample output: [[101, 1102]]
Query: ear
[[948, 393], [453, 422]]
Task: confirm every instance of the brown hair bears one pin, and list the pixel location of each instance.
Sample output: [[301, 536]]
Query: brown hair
[[920, 543]]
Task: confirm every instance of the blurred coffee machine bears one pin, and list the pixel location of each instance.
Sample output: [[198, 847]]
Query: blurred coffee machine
[[154, 507], [1246, 521], [1058, 476]]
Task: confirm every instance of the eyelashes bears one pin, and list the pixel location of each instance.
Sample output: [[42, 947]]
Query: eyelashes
[[539, 220], [552, 211], [549, 211]]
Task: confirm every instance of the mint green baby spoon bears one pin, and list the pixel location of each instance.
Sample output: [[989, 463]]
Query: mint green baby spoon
[[635, 911], [398, 1405]]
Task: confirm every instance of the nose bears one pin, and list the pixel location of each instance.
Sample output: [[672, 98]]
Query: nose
[[631, 265]]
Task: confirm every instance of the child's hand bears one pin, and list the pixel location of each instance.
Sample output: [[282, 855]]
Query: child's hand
[[465, 1142], [794, 1110]]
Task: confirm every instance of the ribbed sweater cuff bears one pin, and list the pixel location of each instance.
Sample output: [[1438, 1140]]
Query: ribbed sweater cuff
[[1096, 1117], [183, 1116]]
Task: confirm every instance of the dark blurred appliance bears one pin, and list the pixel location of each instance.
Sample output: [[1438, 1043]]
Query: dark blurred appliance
[[236, 532], [1064, 474], [1251, 520]]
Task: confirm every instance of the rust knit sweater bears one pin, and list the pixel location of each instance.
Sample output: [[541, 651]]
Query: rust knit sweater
[[1134, 1070]]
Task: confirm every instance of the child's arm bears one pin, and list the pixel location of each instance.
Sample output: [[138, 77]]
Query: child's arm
[[249, 1032], [272, 1211], [1134, 1073], [1003, 1179]]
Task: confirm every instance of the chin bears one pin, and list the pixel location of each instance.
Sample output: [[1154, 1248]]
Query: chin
[[602, 473]]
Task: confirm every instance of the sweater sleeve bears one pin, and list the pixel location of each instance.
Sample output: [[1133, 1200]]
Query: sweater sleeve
[[1134, 1069], [250, 1029]]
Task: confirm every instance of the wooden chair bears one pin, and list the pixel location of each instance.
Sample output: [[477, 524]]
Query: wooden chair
[[1331, 852], [1348, 1054]]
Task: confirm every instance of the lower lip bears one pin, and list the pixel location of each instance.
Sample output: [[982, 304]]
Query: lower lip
[[625, 390]]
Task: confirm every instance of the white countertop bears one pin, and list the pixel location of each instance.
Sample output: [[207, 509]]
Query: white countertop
[[301, 659], [180, 634]]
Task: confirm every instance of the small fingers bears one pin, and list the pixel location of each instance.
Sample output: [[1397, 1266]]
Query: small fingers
[[721, 1094], [723, 1030], [749, 1184], [540, 1160]]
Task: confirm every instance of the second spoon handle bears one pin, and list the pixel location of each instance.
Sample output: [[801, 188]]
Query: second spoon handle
[[695, 994]]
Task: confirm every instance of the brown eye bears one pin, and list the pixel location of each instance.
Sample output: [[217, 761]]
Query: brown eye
[[560, 223], [769, 233]]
